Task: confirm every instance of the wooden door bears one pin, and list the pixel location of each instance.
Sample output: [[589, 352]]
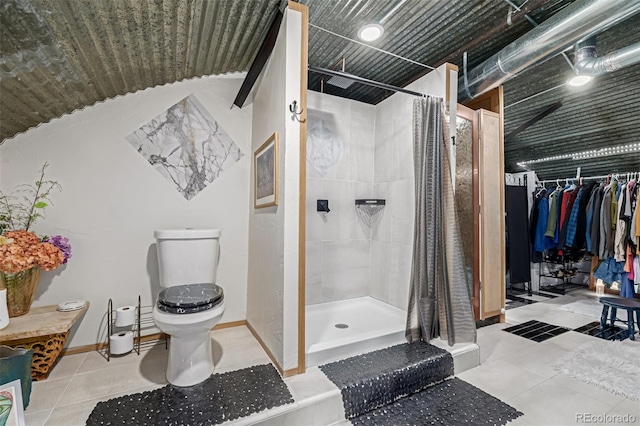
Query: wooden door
[[492, 219]]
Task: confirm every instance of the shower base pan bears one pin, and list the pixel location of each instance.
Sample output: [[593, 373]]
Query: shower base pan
[[337, 330], [370, 325]]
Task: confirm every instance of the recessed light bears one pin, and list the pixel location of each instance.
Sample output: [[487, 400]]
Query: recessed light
[[579, 80], [370, 32]]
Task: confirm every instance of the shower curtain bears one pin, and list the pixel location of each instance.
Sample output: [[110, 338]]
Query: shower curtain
[[439, 302]]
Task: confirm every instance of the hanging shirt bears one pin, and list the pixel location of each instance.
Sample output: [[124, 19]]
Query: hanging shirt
[[572, 223], [553, 215], [614, 204], [541, 227], [564, 227], [637, 216], [621, 227], [595, 221], [605, 223], [590, 206]]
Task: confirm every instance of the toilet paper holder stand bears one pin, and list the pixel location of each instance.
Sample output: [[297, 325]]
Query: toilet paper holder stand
[[111, 325]]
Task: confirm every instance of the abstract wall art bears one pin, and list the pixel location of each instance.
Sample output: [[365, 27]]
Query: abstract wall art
[[324, 147], [265, 172], [187, 146]]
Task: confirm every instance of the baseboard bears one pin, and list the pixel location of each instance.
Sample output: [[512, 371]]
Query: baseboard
[[230, 324], [150, 337], [103, 345], [283, 373]]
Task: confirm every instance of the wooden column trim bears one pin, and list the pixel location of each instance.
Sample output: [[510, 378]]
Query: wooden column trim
[[304, 63]]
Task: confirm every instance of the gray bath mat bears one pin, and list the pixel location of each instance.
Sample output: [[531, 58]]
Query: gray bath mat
[[452, 402], [220, 398], [378, 378]]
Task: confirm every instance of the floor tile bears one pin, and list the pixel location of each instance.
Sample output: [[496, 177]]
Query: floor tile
[[495, 346], [501, 379], [46, 393], [96, 384], [588, 389], [552, 404], [36, 418], [96, 361], [626, 409], [311, 384], [568, 341], [78, 413], [66, 366], [344, 422], [567, 319], [235, 348], [537, 331], [537, 360]]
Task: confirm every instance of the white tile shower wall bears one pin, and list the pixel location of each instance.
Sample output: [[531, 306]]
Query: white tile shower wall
[[392, 235], [338, 243], [112, 200]]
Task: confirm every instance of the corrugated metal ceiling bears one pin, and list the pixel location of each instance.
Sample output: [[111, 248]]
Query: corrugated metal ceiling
[[60, 55], [57, 56]]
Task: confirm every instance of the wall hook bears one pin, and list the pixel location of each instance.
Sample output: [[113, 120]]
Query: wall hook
[[295, 114]]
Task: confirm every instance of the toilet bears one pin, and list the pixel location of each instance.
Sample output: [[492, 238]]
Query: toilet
[[190, 303]]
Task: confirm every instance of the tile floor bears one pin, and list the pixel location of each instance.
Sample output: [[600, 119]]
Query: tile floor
[[514, 369]]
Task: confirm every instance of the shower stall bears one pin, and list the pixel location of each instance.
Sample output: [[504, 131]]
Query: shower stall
[[358, 253]]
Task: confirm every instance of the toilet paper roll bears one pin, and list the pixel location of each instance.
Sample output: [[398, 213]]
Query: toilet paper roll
[[125, 315], [121, 343]]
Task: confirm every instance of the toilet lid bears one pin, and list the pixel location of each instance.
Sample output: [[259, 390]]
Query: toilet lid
[[186, 299]]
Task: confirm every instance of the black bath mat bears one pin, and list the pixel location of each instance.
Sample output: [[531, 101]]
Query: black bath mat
[[452, 402], [220, 398], [378, 378]]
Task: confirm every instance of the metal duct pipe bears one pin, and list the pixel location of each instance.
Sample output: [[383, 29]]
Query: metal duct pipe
[[586, 62], [579, 20]]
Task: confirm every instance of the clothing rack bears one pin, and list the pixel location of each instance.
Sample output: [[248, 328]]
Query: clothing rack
[[610, 175]]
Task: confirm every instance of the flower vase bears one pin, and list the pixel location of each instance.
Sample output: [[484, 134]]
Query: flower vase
[[21, 290], [4, 313]]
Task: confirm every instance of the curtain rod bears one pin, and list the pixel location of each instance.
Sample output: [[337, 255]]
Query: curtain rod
[[363, 80], [588, 177]]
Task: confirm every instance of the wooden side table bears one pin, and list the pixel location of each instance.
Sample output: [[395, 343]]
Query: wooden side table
[[43, 329]]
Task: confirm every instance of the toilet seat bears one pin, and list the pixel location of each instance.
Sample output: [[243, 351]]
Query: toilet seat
[[189, 299]]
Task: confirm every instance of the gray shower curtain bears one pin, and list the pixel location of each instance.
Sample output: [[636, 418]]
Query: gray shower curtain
[[439, 302]]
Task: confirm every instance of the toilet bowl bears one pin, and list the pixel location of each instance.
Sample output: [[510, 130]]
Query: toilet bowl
[[190, 356], [191, 304]]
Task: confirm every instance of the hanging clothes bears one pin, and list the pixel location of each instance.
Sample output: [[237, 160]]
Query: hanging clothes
[[595, 221], [553, 215], [539, 243]]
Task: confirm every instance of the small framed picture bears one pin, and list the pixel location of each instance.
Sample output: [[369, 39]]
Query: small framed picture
[[265, 171], [11, 410]]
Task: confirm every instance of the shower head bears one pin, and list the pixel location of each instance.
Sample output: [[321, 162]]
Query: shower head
[[341, 82]]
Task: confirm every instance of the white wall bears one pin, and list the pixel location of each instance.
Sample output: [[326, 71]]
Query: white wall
[[392, 238], [112, 200], [338, 243], [272, 302]]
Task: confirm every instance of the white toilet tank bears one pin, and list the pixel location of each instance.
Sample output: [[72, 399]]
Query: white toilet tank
[[187, 256]]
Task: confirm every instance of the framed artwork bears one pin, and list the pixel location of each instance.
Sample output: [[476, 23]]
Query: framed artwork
[[265, 172], [11, 410]]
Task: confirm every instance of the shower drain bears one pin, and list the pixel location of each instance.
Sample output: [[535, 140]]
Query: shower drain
[[342, 326]]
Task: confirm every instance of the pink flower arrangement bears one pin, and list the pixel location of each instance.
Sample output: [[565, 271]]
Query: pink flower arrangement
[[22, 250]]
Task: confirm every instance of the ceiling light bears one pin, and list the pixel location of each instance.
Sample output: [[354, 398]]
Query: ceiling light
[[370, 32], [579, 80], [594, 153]]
